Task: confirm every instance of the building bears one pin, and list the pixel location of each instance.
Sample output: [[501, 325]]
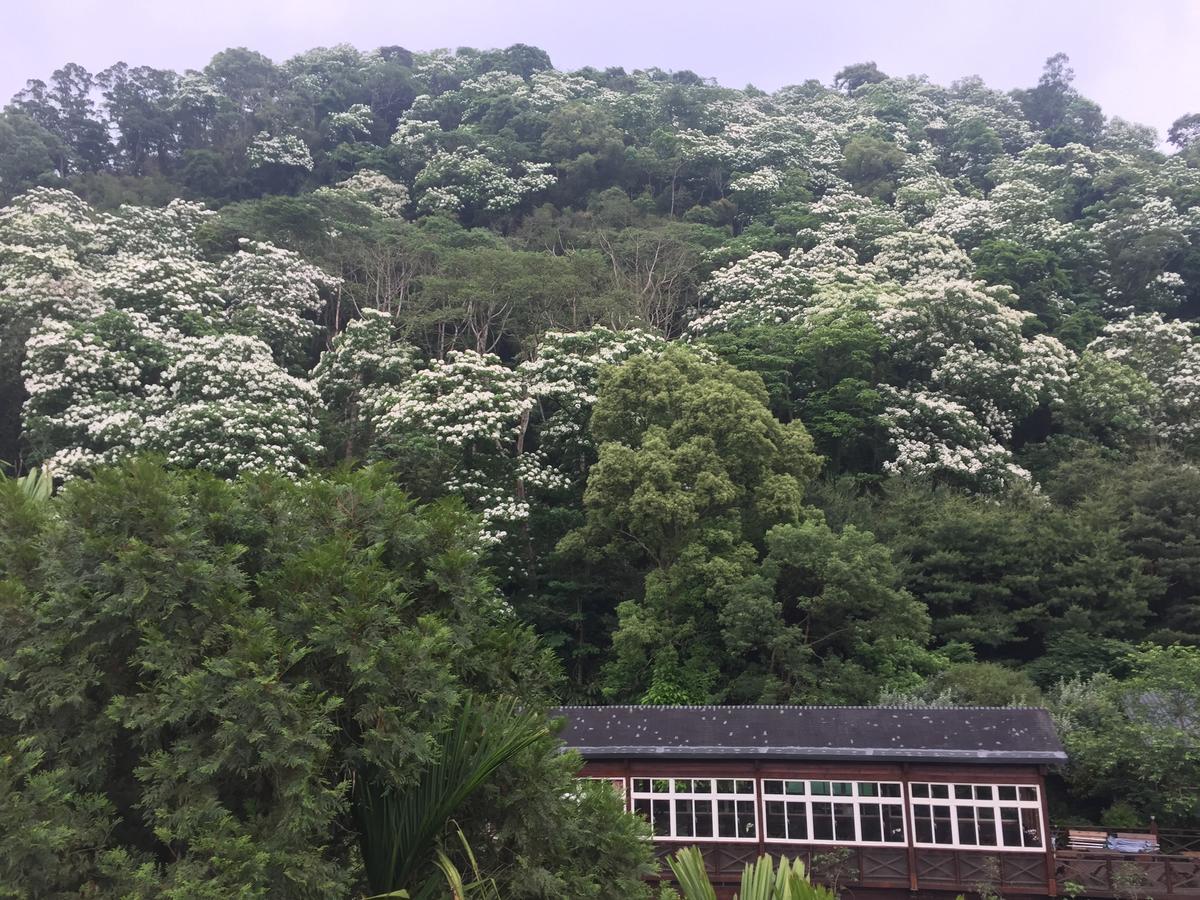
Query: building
[[886, 800]]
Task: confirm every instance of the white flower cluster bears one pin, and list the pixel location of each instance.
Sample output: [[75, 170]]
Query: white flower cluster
[[269, 292], [374, 189], [1167, 354], [462, 179], [352, 123], [282, 150]]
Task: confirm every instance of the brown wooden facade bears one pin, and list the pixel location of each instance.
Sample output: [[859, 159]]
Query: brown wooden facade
[[881, 802], [869, 869]]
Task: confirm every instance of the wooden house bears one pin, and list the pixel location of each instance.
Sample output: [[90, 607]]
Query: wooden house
[[888, 801]]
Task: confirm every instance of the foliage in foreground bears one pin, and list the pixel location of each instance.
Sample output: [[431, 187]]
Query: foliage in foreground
[[761, 880], [192, 672]]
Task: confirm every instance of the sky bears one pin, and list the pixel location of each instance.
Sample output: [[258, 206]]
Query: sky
[[1137, 58]]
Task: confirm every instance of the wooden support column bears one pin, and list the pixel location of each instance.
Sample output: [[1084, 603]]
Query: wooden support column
[[1047, 837], [910, 835], [760, 809]]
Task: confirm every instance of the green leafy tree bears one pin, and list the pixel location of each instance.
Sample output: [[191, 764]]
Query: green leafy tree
[[1136, 737], [193, 672], [692, 472]]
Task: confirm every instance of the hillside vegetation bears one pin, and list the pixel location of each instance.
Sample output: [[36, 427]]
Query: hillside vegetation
[[874, 391]]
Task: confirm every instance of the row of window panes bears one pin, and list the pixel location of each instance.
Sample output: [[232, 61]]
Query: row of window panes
[[693, 786], [863, 822], [698, 817], [1005, 792], [977, 826], [963, 823], [775, 788]]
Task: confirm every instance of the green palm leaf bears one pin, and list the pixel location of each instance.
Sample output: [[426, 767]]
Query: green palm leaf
[[399, 830]]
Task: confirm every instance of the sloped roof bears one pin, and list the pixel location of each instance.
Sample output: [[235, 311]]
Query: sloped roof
[[961, 734]]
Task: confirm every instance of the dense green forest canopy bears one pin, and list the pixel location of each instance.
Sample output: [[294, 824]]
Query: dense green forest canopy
[[883, 390]]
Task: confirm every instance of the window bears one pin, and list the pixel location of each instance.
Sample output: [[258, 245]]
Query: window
[[618, 784], [717, 808], [842, 812], [977, 815]]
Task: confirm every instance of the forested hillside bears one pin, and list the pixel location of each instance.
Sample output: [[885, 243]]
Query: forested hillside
[[877, 390]]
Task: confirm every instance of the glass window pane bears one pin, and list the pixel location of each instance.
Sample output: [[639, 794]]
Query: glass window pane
[[920, 790], [820, 788], [745, 786], [966, 825], [822, 821], [702, 786], [943, 833], [726, 818], [661, 817], [641, 806], [797, 817], [986, 819], [683, 786], [745, 814], [661, 786], [1010, 826], [772, 787], [776, 820], [889, 790], [704, 818], [843, 789], [1031, 825], [1006, 792], [940, 791], [962, 792], [893, 823], [795, 787], [983, 792], [843, 821], [923, 823], [870, 827], [641, 785], [1028, 793], [683, 818], [724, 785], [868, 789]]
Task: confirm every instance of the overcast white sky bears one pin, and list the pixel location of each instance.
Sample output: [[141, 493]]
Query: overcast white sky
[[1139, 59]]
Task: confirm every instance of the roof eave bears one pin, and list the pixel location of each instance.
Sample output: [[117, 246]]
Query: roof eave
[[1009, 757]]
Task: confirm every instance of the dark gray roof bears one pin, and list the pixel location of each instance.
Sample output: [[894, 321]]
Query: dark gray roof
[[958, 734]]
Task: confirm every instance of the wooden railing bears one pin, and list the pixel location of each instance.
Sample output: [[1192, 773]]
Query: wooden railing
[[1146, 876]]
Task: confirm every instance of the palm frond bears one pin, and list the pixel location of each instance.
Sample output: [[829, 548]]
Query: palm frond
[[399, 829]]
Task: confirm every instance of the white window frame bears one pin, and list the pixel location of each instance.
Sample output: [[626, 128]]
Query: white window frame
[[712, 796], [995, 804], [855, 800]]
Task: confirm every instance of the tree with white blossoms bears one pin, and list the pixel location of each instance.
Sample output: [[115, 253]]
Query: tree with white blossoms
[[563, 378], [350, 124], [139, 342], [388, 197], [273, 294], [1167, 354], [467, 181], [507, 434], [285, 151], [476, 410], [965, 373], [225, 405], [364, 361]]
